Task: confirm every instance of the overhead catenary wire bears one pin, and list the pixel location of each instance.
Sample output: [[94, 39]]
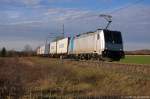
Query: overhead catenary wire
[[109, 12], [115, 10], [126, 6], [87, 16], [54, 35]]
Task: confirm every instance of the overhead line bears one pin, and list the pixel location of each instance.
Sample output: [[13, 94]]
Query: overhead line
[[111, 12], [127, 6]]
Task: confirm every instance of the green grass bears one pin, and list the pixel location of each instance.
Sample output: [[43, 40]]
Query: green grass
[[136, 59]]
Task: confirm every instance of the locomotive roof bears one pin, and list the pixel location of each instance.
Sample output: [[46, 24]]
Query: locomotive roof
[[91, 32]]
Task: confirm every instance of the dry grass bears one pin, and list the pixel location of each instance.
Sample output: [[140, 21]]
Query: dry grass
[[73, 78]]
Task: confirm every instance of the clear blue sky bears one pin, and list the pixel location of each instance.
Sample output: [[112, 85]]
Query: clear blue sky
[[29, 21]]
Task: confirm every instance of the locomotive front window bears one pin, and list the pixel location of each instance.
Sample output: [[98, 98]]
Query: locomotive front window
[[117, 37], [113, 37]]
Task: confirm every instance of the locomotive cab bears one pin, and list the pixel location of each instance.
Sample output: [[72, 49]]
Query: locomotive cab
[[113, 45]]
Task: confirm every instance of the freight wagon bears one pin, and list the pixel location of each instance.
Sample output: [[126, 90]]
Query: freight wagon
[[38, 51], [53, 49], [43, 50], [59, 47]]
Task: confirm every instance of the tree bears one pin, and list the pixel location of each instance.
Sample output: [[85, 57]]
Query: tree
[[28, 50], [11, 53], [3, 52]]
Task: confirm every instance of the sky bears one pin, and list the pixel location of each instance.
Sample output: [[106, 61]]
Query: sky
[[30, 22]]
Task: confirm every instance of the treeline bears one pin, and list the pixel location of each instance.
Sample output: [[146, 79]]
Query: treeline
[[138, 52], [12, 53]]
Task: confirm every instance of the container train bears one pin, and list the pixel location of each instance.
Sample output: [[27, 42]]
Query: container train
[[102, 44]]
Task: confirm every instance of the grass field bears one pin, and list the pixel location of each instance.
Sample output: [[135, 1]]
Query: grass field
[[73, 77], [136, 59]]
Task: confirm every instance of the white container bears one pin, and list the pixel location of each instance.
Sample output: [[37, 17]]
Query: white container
[[52, 48], [38, 51], [42, 50], [62, 46]]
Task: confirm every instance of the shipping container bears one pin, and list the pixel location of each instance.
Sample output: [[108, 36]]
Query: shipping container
[[53, 48], [42, 50], [62, 46], [38, 51]]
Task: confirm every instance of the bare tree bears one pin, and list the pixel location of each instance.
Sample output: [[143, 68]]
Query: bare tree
[[27, 50]]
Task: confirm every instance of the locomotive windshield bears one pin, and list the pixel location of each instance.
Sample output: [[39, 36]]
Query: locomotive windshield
[[113, 37]]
